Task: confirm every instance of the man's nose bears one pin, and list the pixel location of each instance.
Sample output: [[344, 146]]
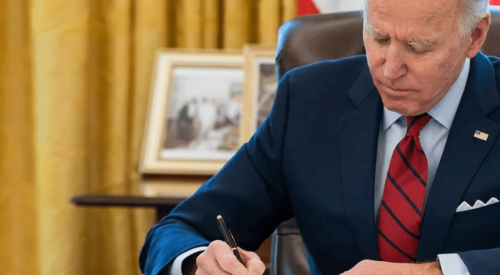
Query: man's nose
[[395, 66]]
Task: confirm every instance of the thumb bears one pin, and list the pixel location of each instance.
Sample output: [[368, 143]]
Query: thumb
[[252, 262], [247, 255]]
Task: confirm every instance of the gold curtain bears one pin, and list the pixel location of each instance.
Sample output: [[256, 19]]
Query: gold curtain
[[74, 85]]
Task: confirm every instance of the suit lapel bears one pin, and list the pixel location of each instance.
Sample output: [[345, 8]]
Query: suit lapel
[[358, 139], [462, 156]]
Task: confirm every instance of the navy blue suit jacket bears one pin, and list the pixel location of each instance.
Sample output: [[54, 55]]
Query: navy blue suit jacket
[[314, 158]]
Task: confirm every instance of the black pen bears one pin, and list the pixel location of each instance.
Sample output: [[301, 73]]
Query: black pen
[[228, 237]]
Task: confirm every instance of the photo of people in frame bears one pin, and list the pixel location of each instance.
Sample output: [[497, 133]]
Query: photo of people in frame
[[203, 114]]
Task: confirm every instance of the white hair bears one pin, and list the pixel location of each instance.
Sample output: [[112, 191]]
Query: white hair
[[473, 12]]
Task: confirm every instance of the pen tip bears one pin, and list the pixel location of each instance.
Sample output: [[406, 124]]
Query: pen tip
[[219, 217]]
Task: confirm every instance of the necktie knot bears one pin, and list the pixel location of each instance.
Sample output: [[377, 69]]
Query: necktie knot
[[416, 124]]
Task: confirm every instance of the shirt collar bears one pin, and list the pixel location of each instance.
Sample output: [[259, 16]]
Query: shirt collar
[[444, 111]]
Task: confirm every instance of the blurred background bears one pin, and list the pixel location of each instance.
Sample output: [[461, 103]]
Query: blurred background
[[74, 85]]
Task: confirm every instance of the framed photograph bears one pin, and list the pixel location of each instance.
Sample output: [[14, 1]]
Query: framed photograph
[[194, 112], [260, 87]]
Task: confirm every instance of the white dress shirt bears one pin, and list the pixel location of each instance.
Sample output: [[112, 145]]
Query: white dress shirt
[[433, 138]]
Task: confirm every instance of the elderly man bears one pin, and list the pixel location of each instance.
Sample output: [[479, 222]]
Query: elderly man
[[389, 162]]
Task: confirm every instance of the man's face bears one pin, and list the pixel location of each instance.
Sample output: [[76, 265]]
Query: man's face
[[414, 50]]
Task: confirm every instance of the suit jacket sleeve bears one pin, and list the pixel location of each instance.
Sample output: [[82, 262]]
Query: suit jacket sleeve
[[249, 192], [482, 262]]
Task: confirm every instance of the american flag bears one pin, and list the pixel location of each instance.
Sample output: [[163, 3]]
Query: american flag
[[480, 135]]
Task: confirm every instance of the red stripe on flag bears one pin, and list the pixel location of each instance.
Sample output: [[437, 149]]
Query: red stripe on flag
[[306, 7], [495, 2]]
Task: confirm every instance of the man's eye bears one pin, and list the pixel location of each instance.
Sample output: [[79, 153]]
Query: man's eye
[[416, 50], [382, 41]]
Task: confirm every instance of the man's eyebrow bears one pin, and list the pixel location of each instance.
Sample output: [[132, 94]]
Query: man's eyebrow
[[371, 31], [422, 44], [413, 43]]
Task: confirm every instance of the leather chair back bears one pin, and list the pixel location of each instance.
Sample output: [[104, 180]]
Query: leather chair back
[[310, 39]]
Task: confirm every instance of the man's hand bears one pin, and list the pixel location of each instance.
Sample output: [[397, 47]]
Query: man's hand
[[384, 268], [220, 259]]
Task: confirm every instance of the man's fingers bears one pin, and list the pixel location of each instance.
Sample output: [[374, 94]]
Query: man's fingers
[[229, 263], [255, 267], [207, 263], [247, 255], [219, 258], [252, 261], [226, 259]]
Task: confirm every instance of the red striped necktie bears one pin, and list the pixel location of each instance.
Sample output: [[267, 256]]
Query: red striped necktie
[[400, 215]]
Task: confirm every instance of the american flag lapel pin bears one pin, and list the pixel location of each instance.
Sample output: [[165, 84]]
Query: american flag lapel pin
[[480, 135]]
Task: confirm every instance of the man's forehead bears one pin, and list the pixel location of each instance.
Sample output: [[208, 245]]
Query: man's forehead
[[431, 6], [414, 12], [410, 24]]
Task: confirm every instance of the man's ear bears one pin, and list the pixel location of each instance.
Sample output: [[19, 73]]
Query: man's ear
[[478, 36]]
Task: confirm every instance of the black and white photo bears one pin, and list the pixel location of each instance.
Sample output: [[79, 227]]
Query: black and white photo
[[203, 116], [195, 111]]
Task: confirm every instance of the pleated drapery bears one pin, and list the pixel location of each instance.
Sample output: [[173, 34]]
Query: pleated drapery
[[74, 84]]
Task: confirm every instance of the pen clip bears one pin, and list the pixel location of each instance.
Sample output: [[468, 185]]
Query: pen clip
[[233, 242], [235, 248]]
